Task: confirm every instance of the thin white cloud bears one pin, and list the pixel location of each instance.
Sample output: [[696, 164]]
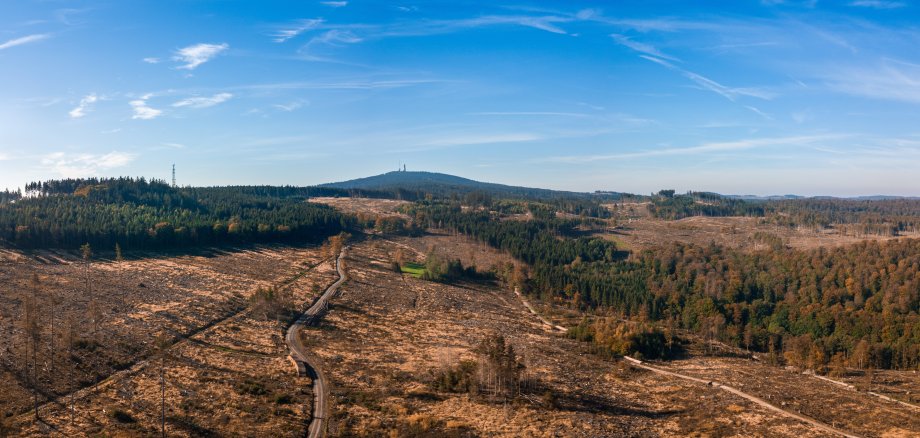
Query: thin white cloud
[[705, 148], [71, 165], [757, 111], [195, 55], [23, 40], [85, 105], [890, 80], [641, 47], [335, 4], [203, 102], [730, 93], [296, 29], [544, 23], [450, 141], [530, 113], [351, 85], [288, 107], [142, 111], [878, 4], [334, 37], [151, 60]]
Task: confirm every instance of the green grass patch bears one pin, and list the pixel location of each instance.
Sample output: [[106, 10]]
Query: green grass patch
[[414, 269]]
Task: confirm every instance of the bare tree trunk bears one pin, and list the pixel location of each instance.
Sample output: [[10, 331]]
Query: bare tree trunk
[[35, 376], [163, 395]]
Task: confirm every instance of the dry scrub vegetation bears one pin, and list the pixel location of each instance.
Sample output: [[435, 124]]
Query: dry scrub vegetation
[[637, 230], [226, 370], [362, 205], [389, 337]]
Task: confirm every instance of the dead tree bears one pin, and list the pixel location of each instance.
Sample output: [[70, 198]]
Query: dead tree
[[162, 344], [52, 303], [32, 330]]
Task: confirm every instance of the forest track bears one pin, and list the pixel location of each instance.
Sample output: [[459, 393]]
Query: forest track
[[756, 400], [304, 363]]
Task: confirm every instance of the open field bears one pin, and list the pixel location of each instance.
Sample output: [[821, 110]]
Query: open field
[[226, 370], [637, 230], [368, 206], [416, 270], [388, 334]]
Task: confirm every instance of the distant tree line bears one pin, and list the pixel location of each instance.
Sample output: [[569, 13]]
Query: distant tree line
[[885, 217], [8, 196]]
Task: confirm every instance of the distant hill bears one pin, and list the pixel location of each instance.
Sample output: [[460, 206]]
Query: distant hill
[[440, 184]]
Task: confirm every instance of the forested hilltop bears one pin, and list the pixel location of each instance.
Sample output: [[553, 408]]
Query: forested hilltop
[[149, 214]]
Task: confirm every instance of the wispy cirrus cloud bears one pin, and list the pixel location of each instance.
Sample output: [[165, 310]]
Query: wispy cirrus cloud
[[705, 148], [23, 40], [878, 4], [203, 102], [151, 60], [70, 165], [889, 80], [142, 111], [343, 85], [197, 54], [641, 47], [730, 93], [452, 140], [530, 113], [334, 37], [340, 35], [292, 106], [84, 106], [287, 32], [335, 4]]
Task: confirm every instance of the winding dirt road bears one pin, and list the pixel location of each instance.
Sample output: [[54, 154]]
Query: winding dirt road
[[303, 361]]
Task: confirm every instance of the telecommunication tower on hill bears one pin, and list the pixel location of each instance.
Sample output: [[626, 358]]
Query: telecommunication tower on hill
[[174, 176]]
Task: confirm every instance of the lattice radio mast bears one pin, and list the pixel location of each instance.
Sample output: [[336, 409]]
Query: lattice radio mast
[[174, 176]]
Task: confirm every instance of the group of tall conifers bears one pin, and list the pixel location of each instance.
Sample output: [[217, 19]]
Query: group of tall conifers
[[858, 305], [142, 214]]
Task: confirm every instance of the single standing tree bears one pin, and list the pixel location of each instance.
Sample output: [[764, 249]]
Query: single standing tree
[[162, 344]]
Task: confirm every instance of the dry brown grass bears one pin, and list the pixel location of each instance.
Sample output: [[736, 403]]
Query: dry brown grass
[[638, 230], [853, 411], [210, 375], [387, 332], [386, 207]]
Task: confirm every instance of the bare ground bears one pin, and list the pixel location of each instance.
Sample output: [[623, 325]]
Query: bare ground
[[387, 332], [637, 231], [227, 375]]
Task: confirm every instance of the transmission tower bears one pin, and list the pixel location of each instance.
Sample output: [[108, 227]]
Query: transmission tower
[[174, 176]]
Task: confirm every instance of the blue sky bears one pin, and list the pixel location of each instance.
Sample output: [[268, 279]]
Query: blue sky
[[743, 97]]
